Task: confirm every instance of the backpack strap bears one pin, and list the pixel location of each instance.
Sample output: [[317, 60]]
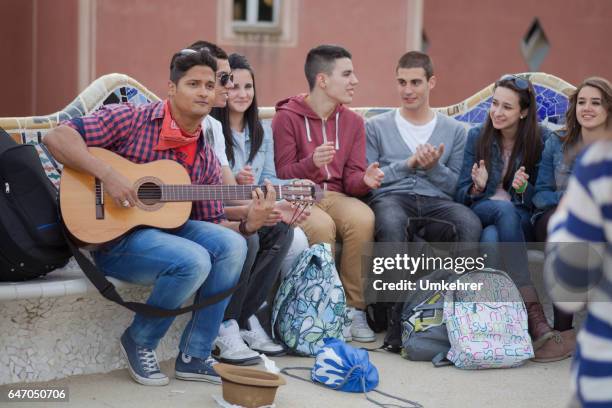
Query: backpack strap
[[108, 290], [433, 306], [440, 360]]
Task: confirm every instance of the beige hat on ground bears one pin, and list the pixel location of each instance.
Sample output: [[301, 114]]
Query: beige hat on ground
[[248, 387]]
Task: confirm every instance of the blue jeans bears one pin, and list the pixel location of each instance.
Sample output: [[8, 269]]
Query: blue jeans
[[502, 221], [200, 257]]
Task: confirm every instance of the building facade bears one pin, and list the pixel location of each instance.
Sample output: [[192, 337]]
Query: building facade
[[54, 48]]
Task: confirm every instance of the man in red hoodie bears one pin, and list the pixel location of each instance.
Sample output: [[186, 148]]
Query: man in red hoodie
[[317, 138]]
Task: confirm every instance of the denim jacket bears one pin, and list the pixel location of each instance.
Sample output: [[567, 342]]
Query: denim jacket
[[263, 162], [553, 174], [464, 184]]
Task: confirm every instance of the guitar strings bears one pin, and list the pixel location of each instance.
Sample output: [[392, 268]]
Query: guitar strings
[[156, 192], [296, 215]]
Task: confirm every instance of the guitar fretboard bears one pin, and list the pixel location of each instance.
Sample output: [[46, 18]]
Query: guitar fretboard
[[172, 192]]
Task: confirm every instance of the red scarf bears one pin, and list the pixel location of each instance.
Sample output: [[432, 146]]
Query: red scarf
[[173, 137]]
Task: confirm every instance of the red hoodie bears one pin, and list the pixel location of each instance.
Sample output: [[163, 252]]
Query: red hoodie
[[298, 130]]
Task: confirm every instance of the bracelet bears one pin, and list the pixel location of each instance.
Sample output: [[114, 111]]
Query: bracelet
[[243, 229]]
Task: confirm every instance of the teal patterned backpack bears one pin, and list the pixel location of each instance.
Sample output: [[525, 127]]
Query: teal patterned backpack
[[310, 304]]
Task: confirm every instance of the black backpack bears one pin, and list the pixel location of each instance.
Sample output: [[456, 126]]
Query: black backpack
[[388, 315], [32, 242]]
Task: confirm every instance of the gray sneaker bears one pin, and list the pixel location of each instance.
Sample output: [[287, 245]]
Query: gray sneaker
[[196, 369], [360, 330]]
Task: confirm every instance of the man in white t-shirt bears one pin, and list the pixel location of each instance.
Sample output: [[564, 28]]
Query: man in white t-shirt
[[421, 153], [213, 131]]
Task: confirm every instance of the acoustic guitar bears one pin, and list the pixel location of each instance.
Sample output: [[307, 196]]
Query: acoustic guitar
[[164, 192]]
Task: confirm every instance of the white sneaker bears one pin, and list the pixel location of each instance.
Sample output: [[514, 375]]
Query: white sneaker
[[230, 348], [346, 330], [258, 340], [360, 331]]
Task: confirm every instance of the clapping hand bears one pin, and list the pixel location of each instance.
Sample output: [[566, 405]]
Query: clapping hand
[[480, 175], [426, 156], [373, 176], [323, 154]]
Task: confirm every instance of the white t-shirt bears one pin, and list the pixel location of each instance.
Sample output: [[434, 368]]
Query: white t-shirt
[[212, 128], [414, 135]]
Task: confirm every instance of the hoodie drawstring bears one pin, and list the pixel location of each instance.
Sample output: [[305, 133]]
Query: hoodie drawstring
[[337, 138], [307, 129], [324, 133]]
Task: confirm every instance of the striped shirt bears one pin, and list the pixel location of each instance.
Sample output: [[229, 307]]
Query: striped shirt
[[578, 274], [133, 131]]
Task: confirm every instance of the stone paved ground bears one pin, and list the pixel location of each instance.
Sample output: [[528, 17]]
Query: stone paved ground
[[532, 385]]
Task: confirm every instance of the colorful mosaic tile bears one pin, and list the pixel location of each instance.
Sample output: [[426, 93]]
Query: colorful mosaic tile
[[551, 97]]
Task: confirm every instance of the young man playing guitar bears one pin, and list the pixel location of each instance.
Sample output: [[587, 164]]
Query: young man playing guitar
[[206, 254]]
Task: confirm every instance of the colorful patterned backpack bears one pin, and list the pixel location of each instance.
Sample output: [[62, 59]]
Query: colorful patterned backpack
[[310, 304], [487, 328]]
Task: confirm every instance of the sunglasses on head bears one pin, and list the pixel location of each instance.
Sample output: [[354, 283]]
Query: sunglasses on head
[[520, 83], [224, 77], [187, 51]]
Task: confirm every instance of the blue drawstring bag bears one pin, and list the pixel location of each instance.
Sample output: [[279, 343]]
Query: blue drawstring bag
[[345, 368]]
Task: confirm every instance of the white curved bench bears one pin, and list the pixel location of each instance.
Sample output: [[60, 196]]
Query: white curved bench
[[58, 325]]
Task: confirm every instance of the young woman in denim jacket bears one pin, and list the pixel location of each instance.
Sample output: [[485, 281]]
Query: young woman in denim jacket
[[496, 181], [587, 120], [250, 153]]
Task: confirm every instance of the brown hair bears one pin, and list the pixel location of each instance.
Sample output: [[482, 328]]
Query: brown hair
[[572, 128], [528, 143], [416, 59]]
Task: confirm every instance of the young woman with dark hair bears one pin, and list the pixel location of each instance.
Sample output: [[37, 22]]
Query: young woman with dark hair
[[250, 152], [496, 181]]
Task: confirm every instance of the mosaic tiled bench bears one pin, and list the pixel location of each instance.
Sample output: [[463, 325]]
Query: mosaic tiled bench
[[58, 325]]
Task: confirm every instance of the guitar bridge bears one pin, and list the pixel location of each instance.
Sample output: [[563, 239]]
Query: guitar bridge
[[99, 200]]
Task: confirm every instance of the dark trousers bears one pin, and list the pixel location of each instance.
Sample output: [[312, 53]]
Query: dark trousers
[[541, 225], [562, 320], [266, 251], [401, 218], [395, 212]]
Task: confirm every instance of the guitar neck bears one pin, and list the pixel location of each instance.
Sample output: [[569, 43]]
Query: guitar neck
[[177, 192]]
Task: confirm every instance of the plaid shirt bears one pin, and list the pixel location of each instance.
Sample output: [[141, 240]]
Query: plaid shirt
[[133, 131]]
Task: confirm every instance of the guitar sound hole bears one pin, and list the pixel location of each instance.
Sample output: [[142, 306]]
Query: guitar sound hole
[[149, 193]]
